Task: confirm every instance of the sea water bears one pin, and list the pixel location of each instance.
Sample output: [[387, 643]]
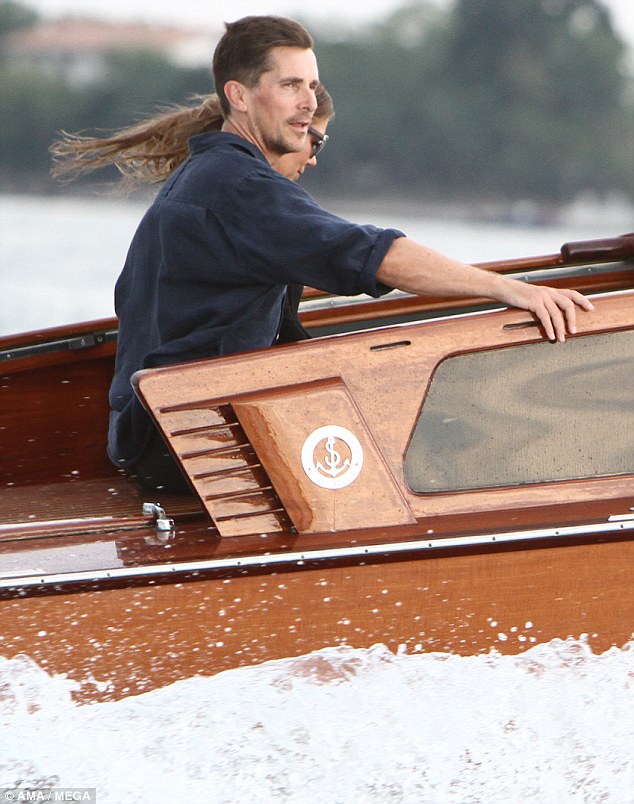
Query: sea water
[[339, 726]]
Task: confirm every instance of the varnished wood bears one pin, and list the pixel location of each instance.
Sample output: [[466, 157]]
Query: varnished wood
[[54, 416]]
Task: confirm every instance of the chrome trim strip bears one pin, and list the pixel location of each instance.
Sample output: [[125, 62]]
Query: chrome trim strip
[[568, 272], [71, 344], [300, 558]]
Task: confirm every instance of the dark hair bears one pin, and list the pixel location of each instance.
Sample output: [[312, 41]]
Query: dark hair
[[243, 52], [325, 106]]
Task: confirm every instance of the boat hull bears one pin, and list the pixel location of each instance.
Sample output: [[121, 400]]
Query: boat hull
[[124, 636]]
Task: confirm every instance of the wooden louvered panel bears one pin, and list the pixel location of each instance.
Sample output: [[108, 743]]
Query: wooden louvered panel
[[245, 504], [212, 461], [274, 522], [202, 439], [176, 418], [219, 484], [224, 468]]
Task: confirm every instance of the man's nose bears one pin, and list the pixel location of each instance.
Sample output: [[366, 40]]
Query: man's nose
[[309, 100]]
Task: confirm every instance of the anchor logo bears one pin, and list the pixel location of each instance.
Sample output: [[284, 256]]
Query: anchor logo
[[332, 457], [333, 460]]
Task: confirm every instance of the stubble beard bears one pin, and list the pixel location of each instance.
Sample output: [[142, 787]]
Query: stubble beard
[[280, 143], [281, 146]]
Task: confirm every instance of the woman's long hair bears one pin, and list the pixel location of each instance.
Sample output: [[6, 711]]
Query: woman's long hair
[[149, 151], [144, 153]]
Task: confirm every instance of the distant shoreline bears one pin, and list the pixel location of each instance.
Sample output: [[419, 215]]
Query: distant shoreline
[[612, 211]]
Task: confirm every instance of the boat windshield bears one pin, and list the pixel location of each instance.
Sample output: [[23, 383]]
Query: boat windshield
[[535, 413]]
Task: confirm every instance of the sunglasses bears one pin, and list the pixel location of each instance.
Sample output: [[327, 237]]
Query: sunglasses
[[319, 141]]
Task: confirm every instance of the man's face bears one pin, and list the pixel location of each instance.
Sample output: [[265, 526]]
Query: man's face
[[282, 104]]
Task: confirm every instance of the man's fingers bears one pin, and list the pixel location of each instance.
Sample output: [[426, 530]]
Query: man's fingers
[[558, 322], [560, 314], [579, 299], [567, 315], [555, 308], [545, 317]]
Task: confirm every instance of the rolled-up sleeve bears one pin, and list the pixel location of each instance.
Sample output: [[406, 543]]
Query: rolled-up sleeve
[[292, 239]]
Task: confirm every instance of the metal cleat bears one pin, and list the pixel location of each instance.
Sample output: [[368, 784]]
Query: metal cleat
[[161, 521]]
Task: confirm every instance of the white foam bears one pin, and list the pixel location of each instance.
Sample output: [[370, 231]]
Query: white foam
[[341, 725]]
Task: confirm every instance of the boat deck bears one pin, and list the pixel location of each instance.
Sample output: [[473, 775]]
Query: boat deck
[[83, 506]]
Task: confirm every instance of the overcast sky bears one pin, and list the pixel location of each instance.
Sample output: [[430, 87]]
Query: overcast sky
[[205, 12]]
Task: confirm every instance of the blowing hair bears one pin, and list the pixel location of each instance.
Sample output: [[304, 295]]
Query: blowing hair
[[243, 53], [144, 153], [149, 151]]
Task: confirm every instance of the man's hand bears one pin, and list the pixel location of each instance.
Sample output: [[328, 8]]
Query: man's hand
[[555, 309]]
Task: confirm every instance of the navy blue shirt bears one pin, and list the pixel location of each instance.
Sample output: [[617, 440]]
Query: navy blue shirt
[[208, 268]]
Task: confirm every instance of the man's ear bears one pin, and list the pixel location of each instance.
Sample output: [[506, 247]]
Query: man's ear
[[235, 93]]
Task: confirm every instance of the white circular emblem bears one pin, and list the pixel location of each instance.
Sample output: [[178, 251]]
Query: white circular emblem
[[332, 456]]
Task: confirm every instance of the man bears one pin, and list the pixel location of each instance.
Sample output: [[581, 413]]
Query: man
[[209, 265]]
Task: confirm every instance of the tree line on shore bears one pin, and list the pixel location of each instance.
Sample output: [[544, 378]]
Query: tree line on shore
[[485, 99]]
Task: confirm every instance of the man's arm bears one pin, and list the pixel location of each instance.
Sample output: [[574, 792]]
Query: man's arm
[[417, 269]]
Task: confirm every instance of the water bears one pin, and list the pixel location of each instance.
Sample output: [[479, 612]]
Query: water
[[60, 257], [340, 726]]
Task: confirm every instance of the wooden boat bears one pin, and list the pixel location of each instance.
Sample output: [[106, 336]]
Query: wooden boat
[[454, 484]]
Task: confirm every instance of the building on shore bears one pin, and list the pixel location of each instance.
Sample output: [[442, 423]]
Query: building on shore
[[77, 49]]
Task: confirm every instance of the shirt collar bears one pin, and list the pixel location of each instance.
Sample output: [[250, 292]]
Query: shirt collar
[[215, 139]]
